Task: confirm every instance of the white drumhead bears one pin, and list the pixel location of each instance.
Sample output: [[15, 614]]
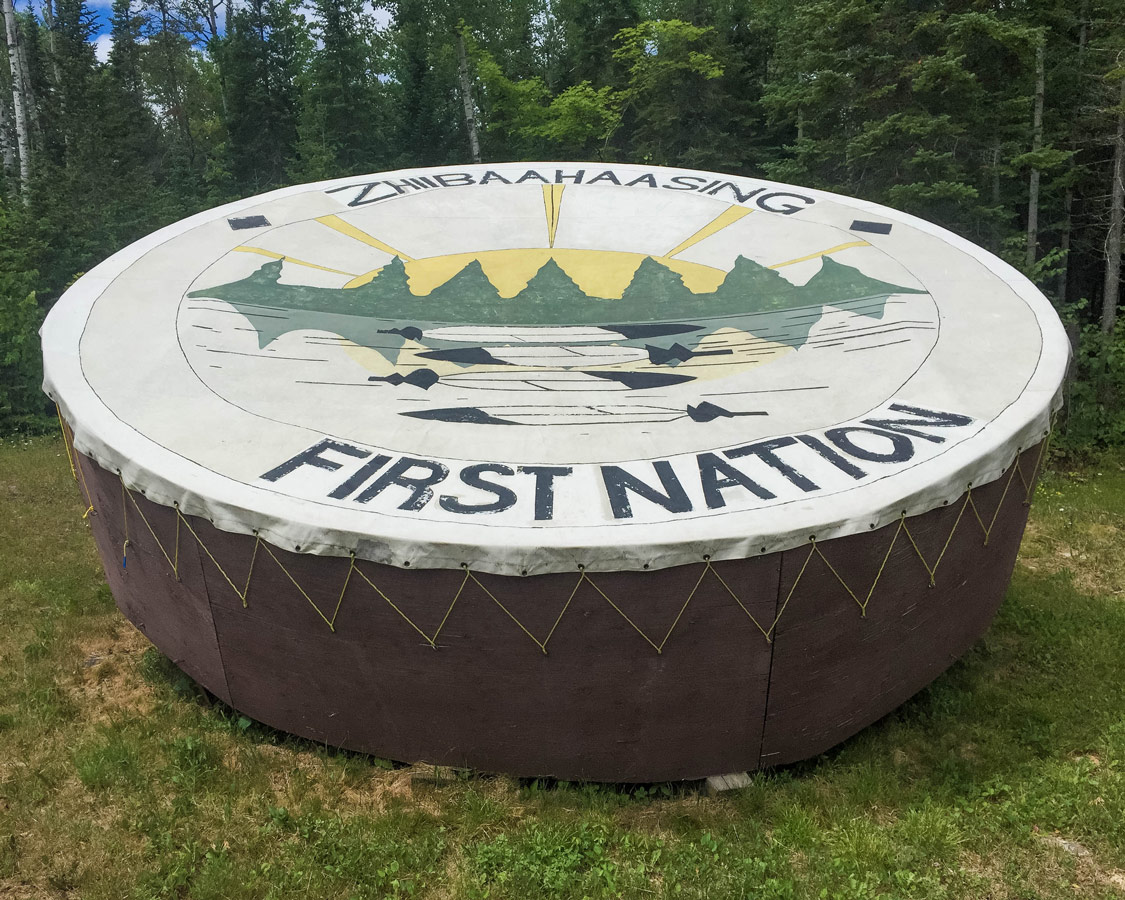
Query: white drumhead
[[529, 367]]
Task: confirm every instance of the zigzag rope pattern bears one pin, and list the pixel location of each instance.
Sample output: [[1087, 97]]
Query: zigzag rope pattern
[[173, 560]]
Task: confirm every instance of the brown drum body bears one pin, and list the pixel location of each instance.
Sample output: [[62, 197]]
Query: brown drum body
[[624, 677]]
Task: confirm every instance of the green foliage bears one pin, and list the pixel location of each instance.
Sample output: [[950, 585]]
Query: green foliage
[[22, 404], [261, 57], [925, 107], [1094, 415], [118, 785]]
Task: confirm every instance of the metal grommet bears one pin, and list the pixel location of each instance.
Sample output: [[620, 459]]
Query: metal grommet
[[406, 564]]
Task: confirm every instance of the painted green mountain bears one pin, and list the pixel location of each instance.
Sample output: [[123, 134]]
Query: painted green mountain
[[384, 312], [655, 294]]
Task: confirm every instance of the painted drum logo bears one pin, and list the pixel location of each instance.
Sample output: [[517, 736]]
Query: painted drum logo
[[529, 322], [568, 333]]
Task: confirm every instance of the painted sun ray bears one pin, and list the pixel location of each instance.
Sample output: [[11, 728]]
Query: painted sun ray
[[261, 251], [725, 219], [820, 253], [349, 230], [552, 205]]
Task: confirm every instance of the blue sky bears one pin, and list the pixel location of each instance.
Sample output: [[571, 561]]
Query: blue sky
[[101, 9]]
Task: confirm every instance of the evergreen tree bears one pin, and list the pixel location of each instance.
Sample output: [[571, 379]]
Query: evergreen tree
[[342, 113], [901, 104], [261, 58], [588, 30], [429, 120]]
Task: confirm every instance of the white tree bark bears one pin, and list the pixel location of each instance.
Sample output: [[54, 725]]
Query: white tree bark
[[7, 145], [30, 106], [467, 96], [19, 93]]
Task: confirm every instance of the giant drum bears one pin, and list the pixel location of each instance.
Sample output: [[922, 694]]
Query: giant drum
[[594, 471]]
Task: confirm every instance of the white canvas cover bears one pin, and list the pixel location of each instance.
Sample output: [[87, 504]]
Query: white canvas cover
[[528, 368]]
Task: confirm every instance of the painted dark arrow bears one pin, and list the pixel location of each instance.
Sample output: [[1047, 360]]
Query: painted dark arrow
[[422, 378], [660, 356], [708, 412]]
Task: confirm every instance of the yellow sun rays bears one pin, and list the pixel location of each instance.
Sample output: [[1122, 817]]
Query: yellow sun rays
[[598, 273]]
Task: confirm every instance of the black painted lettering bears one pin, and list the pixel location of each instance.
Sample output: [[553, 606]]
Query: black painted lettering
[[738, 195], [901, 448], [650, 180], [364, 198], [545, 488], [402, 186], [840, 462], [926, 418], [455, 179], [764, 450], [618, 483], [357, 480], [421, 487], [576, 177], [312, 457], [504, 497], [493, 176], [607, 175], [531, 175], [716, 475], [786, 209], [680, 183]]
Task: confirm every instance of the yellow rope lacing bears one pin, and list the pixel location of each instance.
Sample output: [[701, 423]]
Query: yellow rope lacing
[[173, 560], [75, 468]]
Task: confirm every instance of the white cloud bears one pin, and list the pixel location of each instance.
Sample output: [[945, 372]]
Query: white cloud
[[103, 43]]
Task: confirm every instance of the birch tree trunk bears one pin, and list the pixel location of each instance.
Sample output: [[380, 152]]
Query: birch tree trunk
[[49, 21], [467, 96], [19, 94], [1113, 239], [30, 107], [7, 148], [1036, 145]]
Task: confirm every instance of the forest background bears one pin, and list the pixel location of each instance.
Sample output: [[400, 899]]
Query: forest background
[[1003, 120]]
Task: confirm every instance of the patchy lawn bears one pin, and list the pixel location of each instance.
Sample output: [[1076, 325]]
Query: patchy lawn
[[1005, 779]]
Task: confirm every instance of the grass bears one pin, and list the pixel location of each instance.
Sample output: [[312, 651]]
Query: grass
[[1005, 779]]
